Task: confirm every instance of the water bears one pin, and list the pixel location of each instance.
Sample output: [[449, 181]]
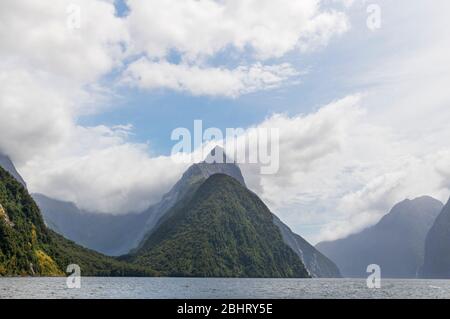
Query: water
[[187, 288]]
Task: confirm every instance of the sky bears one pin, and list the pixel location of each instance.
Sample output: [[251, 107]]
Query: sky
[[358, 89]]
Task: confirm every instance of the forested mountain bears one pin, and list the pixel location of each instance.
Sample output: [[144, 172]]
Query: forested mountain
[[222, 230]]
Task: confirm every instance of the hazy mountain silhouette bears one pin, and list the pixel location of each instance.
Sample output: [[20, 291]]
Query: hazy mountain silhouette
[[396, 242], [112, 235]]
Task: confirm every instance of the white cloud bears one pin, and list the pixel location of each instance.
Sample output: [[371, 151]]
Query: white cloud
[[36, 34], [116, 178], [199, 31], [34, 117], [204, 28], [207, 81], [49, 72]]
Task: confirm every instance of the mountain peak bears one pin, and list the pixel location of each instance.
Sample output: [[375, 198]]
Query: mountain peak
[[217, 156], [217, 162], [420, 207]]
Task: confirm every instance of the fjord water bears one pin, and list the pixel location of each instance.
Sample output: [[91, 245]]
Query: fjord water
[[221, 288]]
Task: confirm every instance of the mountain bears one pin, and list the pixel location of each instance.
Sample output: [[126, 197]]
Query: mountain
[[315, 262], [437, 247], [196, 173], [221, 230], [396, 243], [8, 165], [28, 247], [112, 235]]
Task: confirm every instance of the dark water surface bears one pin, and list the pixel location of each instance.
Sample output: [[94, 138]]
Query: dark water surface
[[217, 288]]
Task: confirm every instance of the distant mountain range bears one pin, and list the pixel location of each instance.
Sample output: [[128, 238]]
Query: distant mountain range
[[285, 255], [396, 243]]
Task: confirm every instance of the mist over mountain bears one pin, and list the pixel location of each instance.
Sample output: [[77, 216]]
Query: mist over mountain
[[437, 247], [396, 242]]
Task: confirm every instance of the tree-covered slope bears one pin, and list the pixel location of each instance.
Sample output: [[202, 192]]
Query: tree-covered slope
[[27, 247], [222, 230]]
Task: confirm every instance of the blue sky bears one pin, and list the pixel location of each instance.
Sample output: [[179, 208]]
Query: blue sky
[[324, 77], [155, 113]]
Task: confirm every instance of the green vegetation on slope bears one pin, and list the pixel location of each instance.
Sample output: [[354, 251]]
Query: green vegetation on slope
[[91, 262], [27, 247], [223, 230]]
